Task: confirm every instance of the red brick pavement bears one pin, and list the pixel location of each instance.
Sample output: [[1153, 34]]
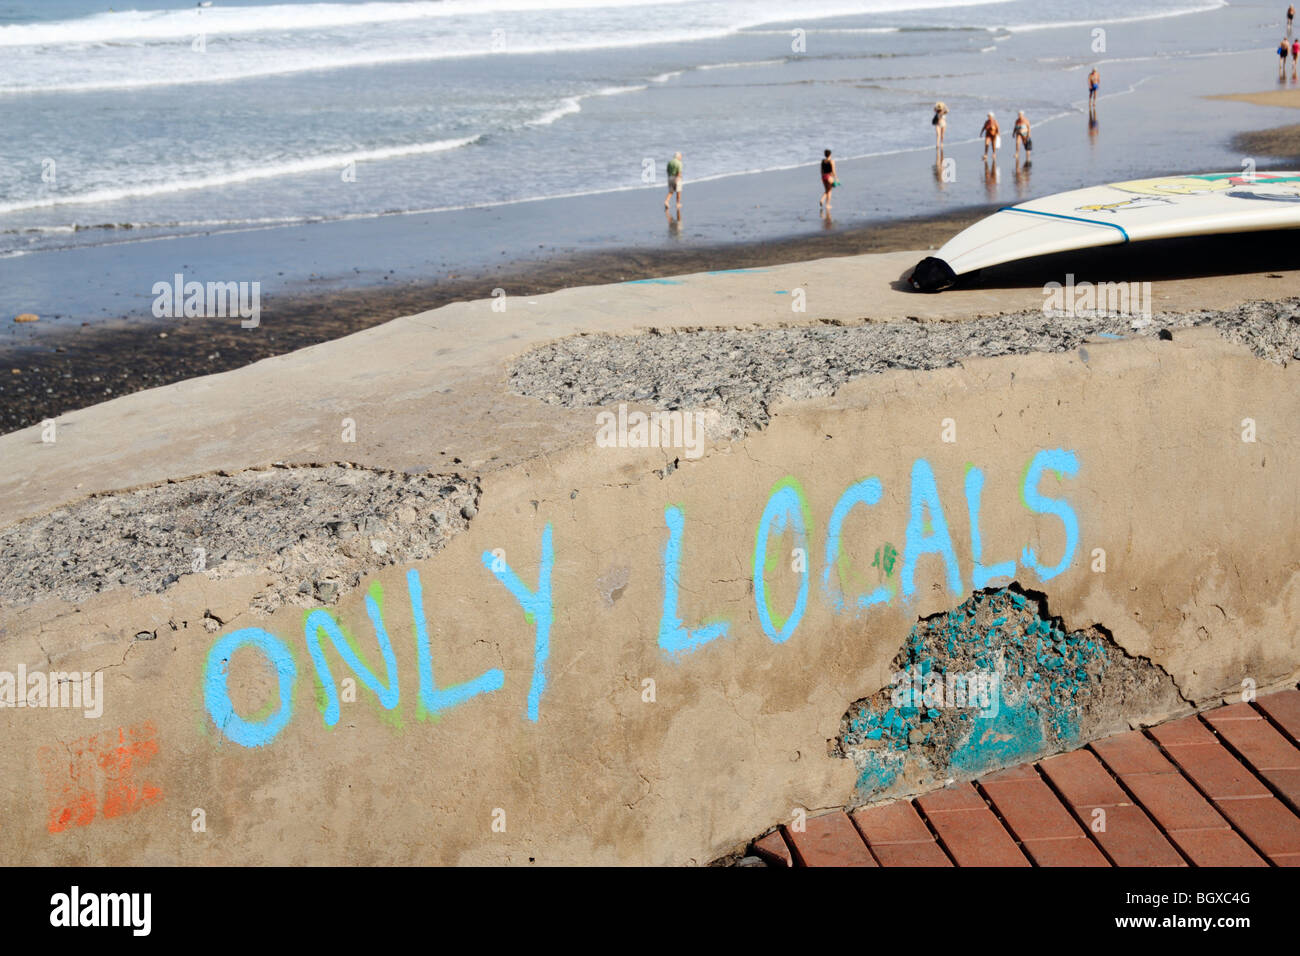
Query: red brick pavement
[[1219, 788]]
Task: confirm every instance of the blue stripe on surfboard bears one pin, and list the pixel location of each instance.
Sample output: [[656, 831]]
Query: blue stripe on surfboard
[[1057, 215]]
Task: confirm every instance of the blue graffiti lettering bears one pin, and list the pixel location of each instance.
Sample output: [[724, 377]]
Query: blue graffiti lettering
[[216, 695], [437, 699], [321, 620], [674, 637], [784, 507], [925, 497], [865, 492], [1066, 465], [537, 607], [981, 575]]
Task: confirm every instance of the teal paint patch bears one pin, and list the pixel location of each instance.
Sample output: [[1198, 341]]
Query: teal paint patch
[[992, 683], [877, 773], [1014, 736], [654, 282]]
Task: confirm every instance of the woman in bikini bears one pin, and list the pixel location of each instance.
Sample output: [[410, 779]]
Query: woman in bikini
[[828, 180], [940, 123], [1021, 134]]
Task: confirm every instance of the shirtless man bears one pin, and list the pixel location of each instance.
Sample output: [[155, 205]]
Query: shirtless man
[[1094, 81], [675, 182]]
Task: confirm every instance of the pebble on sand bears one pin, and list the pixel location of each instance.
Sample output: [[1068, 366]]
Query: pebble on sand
[[27, 317]]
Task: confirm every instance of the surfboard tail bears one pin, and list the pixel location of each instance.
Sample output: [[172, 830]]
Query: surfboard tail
[[932, 275]]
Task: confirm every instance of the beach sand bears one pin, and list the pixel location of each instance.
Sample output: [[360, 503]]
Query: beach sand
[[1288, 98], [73, 368], [1280, 142]]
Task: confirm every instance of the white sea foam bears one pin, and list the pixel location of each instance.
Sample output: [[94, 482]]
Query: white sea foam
[[573, 104], [1135, 18], [127, 25], [140, 49], [235, 176]]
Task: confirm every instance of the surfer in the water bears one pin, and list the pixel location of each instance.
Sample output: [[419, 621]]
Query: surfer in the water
[[829, 181], [992, 134], [1021, 134]]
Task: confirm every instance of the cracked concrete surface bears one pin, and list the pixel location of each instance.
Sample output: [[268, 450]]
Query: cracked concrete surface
[[314, 529], [1202, 578], [740, 372]]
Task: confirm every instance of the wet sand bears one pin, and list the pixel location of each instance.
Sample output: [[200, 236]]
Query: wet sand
[[1281, 142], [1288, 98]]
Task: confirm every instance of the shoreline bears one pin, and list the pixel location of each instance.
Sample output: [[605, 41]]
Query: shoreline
[[71, 368], [51, 368], [1277, 142]]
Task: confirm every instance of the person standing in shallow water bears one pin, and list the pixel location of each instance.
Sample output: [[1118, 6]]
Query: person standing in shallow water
[[675, 182], [991, 133], [1094, 81], [829, 176], [1021, 134], [1290, 19], [940, 123]]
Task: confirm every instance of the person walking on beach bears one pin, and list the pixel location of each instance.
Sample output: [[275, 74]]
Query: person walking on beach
[[1094, 81], [1290, 19], [1295, 54], [1282, 50], [675, 182], [829, 181], [940, 123], [1021, 134], [992, 137]]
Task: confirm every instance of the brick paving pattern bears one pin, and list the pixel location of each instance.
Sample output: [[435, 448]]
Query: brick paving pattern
[[1218, 788]]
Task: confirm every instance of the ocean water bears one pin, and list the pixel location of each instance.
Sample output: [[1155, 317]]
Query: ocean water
[[175, 117], [171, 120]]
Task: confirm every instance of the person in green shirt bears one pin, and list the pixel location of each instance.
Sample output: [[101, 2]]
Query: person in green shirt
[[675, 182]]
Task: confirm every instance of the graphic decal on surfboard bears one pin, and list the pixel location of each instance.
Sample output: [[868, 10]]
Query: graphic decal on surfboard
[[1159, 208]]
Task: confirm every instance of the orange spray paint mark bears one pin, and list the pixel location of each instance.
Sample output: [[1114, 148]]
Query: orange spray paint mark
[[98, 774]]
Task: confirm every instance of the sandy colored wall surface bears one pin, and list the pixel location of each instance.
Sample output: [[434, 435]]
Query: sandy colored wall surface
[[497, 707]]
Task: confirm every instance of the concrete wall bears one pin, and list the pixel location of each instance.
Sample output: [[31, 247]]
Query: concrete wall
[[509, 718]]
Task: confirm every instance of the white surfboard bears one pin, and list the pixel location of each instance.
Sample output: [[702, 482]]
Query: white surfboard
[[1162, 208]]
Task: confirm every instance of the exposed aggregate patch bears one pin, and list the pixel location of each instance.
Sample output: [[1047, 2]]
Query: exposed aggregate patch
[[314, 529], [741, 372]]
